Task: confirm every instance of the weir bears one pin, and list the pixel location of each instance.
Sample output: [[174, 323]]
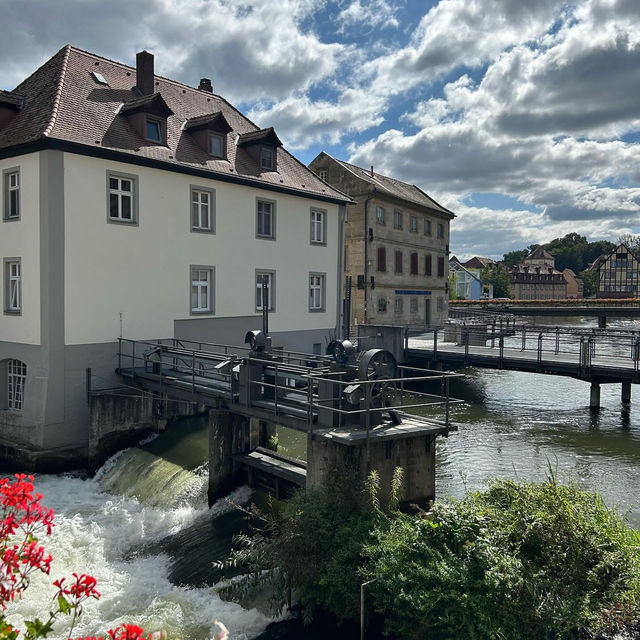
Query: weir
[[355, 407]]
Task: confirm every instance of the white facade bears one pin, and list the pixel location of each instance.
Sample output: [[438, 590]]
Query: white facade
[[134, 279]]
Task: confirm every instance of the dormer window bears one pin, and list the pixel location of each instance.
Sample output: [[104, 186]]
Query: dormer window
[[148, 117], [216, 145], [210, 133], [262, 146], [10, 104], [154, 130], [268, 158]]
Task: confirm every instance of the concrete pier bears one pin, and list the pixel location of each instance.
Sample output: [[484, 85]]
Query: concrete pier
[[594, 400], [626, 393]]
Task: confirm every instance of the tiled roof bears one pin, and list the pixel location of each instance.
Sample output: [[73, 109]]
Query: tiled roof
[[11, 99], [539, 253], [207, 119], [478, 262], [64, 102], [153, 100], [395, 188], [268, 135]]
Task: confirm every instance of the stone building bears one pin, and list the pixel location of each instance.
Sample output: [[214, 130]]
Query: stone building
[[536, 278], [574, 284], [137, 206], [396, 246], [618, 274]]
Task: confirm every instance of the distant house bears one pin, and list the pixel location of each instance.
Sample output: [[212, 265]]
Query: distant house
[[536, 278], [574, 284], [618, 274], [477, 264], [396, 246], [467, 285]]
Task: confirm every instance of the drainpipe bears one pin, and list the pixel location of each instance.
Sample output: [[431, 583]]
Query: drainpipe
[[366, 249]]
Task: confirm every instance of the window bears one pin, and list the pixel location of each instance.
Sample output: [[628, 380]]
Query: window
[[122, 191], [413, 224], [398, 261], [203, 209], [266, 279], [413, 305], [440, 267], [427, 227], [201, 289], [414, 263], [16, 378], [398, 305], [11, 194], [216, 145], [440, 230], [268, 158], [427, 265], [380, 215], [397, 219], [265, 219], [153, 131], [382, 305], [316, 291], [13, 285], [440, 304], [382, 259], [323, 175], [318, 226]]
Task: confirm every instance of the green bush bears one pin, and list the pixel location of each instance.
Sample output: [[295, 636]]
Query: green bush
[[520, 560]]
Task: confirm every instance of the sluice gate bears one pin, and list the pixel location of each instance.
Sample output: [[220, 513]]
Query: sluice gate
[[357, 407]]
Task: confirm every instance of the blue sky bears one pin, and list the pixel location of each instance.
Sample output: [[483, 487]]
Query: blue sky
[[521, 117]]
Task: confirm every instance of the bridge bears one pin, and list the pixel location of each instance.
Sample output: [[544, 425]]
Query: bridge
[[598, 356], [356, 408], [627, 308]]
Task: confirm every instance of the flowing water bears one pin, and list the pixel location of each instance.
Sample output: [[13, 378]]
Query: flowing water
[[141, 526]]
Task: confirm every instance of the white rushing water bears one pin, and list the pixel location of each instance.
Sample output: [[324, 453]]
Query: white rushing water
[[107, 526]]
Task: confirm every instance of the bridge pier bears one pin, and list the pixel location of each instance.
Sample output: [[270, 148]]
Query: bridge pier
[[626, 393], [602, 322], [594, 399], [229, 434]]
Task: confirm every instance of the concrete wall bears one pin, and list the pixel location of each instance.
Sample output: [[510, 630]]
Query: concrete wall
[[416, 456]]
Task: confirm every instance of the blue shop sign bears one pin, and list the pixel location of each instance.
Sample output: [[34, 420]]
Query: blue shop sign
[[412, 292]]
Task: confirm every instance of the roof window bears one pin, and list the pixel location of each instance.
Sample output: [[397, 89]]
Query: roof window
[[210, 132], [99, 78]]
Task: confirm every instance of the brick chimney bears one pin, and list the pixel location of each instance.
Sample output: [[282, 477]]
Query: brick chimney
[[205, 85], [144, 73]]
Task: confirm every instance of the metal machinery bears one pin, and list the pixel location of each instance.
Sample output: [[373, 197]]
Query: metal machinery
[[343, 388]]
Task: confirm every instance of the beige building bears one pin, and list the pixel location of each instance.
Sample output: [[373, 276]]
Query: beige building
[[536, 278], [574, 284], [396, 246]]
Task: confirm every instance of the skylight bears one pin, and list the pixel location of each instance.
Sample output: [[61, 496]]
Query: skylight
[[99, 78]]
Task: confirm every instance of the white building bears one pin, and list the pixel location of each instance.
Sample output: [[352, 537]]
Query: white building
[[136, 206]]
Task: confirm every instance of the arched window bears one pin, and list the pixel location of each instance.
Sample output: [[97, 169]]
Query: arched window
[[16, 377]]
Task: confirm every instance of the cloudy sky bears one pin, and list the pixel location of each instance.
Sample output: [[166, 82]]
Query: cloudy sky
[[522, 116]]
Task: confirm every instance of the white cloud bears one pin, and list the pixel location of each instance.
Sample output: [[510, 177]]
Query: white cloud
[[370, 13]]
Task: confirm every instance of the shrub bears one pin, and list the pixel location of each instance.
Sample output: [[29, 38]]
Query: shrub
[[518, 561]]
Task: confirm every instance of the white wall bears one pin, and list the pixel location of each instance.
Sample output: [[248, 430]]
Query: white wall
[[21, 239], [144, 271]]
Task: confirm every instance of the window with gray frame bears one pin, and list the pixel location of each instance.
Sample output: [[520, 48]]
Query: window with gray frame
[[380, 215], [316, 291], [265, 289], [413, 305], [266, 219], [13, 285], [427, 227], [216, 145], [318, 226], [122, 192], [11, 207], [202, 278], [398, 305], [16, 379], [203, 209], [413, 224], [440, 230], [382, 305], [268, 158], [397, 219]]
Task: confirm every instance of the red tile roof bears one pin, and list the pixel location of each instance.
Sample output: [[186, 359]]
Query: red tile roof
[[64, 102]]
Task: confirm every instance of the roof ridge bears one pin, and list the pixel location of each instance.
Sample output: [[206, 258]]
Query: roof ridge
[[56, 102]]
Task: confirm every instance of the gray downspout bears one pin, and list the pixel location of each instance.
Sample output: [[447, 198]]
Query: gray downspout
[[366, 250], [340, 290]]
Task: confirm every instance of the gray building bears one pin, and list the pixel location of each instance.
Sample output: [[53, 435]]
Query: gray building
[[396, 246]]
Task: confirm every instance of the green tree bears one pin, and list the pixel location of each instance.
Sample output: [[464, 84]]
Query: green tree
[[589, 283], [513, 258], [499, 277]]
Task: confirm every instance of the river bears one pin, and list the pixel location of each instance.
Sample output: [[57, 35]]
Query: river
[[142, 525]]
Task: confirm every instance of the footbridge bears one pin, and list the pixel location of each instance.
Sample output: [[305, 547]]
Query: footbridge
[[598, 356], [355, 406]]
